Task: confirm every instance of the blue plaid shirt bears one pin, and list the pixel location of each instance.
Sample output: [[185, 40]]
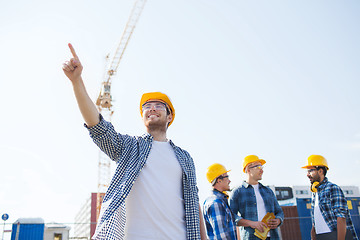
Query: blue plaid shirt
[[130, 154], [243, 201], [333, 204], [219, 220]]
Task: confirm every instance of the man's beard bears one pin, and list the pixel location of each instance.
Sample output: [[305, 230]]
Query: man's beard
[[316, 178], [156, 126]]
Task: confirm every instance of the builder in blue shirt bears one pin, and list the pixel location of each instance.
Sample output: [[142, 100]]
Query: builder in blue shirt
[[329, 210], [153, 193], [252, 200], [219, 220]]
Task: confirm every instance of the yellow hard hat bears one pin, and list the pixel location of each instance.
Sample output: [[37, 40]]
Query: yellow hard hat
[[157, 96], [316, 160], [214, 171], [250, 159]]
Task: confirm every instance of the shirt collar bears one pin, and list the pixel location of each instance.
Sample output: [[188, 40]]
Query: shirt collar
[[246, 185], [147, 136], [323, 184], [220, 194]]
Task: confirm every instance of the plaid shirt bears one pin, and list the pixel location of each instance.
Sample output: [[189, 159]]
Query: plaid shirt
[[131, 154], [219, 220], [332, 203], [243, 201]]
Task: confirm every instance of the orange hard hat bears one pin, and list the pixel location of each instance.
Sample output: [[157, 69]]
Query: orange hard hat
[[157, 96]]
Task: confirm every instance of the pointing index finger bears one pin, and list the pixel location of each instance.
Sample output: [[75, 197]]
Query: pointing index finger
[[73, 51]]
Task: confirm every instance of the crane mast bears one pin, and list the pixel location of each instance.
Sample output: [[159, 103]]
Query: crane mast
[[104, 100]]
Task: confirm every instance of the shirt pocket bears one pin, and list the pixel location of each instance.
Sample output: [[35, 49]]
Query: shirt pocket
[[325, 199]]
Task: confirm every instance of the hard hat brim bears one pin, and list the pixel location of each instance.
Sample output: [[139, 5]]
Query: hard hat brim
[[310, 166], [219, 175]]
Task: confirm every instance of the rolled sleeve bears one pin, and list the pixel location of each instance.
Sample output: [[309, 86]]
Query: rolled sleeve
[[99, 129], [339, 204], [106, 138]]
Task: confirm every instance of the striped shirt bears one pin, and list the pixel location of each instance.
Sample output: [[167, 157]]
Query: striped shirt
[[219, 220], [333, 204], [130, 153]]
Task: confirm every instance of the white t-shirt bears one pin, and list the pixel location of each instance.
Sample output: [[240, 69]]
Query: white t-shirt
[[261, 210], [155, 205], [320, 224]]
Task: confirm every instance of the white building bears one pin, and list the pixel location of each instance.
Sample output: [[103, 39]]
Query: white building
[[55, 231]]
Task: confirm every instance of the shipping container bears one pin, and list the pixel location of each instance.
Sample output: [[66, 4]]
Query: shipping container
[[303, 208], [28, 229], [354, 208]]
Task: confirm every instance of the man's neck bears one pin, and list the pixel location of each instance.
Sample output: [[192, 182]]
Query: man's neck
[[158, 135], [218, 189], [252, 181]]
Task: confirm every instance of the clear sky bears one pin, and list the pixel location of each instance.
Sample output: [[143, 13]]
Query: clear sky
[[279, 79]]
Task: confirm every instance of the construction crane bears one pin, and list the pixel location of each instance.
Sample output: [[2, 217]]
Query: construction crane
[[104, 100]]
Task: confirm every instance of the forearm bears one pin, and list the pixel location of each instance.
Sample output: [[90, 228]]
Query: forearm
[[244, 223], [341, 228], [86, 105]]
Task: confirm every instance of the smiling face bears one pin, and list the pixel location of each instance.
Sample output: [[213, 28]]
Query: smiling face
[[156, 115]]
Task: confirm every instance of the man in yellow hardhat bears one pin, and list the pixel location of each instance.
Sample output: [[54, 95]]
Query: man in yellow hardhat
[[153, 193], [219, 220], [253, 201], [329, 211]]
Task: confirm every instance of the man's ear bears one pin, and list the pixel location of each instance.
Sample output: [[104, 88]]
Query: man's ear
[[170, 117]]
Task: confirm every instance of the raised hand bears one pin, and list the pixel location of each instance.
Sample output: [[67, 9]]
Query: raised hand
[[72, 70], [73, 67]]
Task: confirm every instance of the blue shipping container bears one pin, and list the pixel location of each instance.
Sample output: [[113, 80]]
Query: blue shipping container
[[354, 208], [303, 208], [28, 229]]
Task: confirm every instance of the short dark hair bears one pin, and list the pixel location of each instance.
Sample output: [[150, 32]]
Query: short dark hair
[[168, 111], [323, 168]]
